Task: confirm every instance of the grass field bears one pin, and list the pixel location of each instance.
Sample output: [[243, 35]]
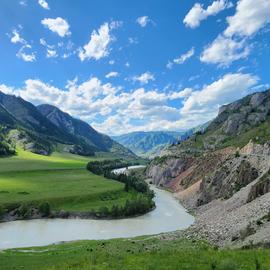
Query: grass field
[[134, 254], [61, 179]]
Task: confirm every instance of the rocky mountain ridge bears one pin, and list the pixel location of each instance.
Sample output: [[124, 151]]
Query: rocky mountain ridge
[[44, 128], [151, 143], [222, 174]]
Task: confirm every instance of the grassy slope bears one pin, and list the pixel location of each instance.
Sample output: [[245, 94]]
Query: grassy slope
[[259, 134], [129, 254], [61, 179]]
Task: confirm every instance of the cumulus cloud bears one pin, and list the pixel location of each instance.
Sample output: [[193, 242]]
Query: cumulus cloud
[[225, 90], [16, 38], [43, 4], [250, 17], [111, 110], [58, 26], [182, 59], [232, 44], [144, 78], [23, 3], [27, 57], [98, 46], [112, 74], [143, 21], [223, 51], [198, 13], [51, 53]]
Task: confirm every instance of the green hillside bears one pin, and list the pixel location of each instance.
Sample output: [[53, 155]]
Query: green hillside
[[236, 124], [144, 253], [40, 129], [61, 179]]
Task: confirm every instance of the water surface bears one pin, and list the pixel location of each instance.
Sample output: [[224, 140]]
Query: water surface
[[168, 216]]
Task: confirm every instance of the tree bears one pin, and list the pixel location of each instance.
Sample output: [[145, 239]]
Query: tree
[[115, 211], [45, 209], [2, 212], [104, 211]]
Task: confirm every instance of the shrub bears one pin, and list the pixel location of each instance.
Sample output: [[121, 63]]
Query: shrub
[[228, 265], [258, 265], [2, 212], [24, 211], [104, 211], [213, 266], [45, 209]]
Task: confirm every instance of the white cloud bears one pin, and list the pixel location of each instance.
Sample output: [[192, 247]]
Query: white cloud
[[250, 17], [58, 26], [198, 13], [184, 57], [113, 111], [116, 24], [16, 38], [144, 78], [225, 90], [232, 44], [169, 65], [132, 40], [182, 94], [98, 46], [111, 62], [143, 21], [43, 4], [112, 74], [23, 3], [6, 89], [223, 51], [51, 53], [27, 57]]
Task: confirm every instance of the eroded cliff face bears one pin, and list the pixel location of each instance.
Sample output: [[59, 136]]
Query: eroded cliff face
[[182, 174], [261, 187], [228, 190]]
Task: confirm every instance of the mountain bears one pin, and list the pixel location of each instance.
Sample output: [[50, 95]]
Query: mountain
[[223, 173], [27, 115], [151, 143], [81, 131], [44, 128]]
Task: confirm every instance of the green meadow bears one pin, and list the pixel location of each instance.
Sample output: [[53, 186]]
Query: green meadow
[[60, 179], [143, 253]]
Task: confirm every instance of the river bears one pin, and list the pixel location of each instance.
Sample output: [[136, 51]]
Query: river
[[168, 216]]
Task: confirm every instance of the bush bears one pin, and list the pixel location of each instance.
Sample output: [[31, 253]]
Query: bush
[[228, 265], [237, 154], [24, 211], [45, 209], [2, 212], [258, 265], [103, 211]]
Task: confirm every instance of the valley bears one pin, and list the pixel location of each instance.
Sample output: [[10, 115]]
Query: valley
[[28, 179]]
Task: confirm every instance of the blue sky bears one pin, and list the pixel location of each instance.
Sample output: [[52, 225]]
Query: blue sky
[[124, 66]]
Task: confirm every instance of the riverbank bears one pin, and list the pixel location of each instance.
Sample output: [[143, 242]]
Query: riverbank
[[27, 181], [168, 216]]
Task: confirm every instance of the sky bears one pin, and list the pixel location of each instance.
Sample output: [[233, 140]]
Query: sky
[[125, 66]]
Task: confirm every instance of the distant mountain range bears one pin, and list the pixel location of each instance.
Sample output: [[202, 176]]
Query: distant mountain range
[[151, 143], [45, 128]]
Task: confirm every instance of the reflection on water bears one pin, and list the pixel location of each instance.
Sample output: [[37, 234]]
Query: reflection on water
[[168, 216]]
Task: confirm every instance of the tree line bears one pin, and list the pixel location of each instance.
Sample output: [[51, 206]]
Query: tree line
[[140, 204]]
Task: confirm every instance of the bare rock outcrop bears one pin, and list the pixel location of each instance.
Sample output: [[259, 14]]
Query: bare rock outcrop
[[227, 180]]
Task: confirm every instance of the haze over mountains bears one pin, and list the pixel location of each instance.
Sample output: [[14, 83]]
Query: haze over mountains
[[151, 143], [44, 128]]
